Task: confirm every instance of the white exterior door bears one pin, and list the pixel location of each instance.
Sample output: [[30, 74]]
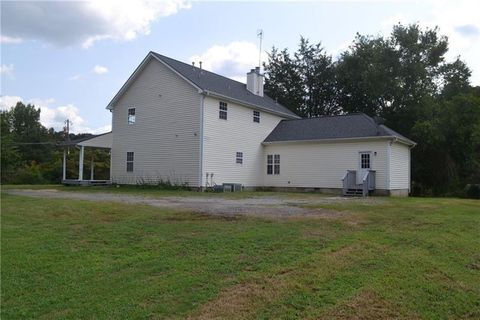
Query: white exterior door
[[364, 164]]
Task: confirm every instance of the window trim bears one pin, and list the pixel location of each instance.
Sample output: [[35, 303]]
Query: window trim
[[369, 162], [273, 164], [239, 157], [131, 117], [256, 116], [130, 161], [276, 164], [270, 164], [222, 110]]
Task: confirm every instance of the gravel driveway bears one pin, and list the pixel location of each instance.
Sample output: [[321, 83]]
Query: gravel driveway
[[275, 206]]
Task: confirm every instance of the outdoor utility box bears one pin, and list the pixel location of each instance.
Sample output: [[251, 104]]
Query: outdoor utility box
[[232, 187]]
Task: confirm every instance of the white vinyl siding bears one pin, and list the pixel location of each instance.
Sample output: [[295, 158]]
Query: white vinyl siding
[[166, 136], [222, 139], [399, 166], [323, 165]]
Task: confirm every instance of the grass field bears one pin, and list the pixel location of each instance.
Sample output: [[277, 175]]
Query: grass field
[[397, 258]]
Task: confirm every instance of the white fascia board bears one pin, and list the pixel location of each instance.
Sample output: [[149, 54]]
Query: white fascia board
[[127, 83], [137, 71], [200, 90], [249, 105], [329, 140], [333, 140]]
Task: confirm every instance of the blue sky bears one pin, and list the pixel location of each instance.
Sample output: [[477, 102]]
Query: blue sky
[[70, 58]]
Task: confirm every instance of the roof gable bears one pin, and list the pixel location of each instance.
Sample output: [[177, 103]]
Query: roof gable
[[212, 84]]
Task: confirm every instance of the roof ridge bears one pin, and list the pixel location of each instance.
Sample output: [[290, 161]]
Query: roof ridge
[[197, 68], [330, 116]]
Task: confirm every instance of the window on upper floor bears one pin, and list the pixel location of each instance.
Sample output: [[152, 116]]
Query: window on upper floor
[[131, 116], [222, 110], [130, 156], [256, 116], [239, 158]]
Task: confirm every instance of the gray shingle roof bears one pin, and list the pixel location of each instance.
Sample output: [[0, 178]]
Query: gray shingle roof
[[331, 127], [223, 86]]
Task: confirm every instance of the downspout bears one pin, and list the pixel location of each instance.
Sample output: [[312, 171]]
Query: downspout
[[410, 168], [389, 158], [202, 106]]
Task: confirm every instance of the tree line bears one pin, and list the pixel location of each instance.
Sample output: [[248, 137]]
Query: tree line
[[30, 154], [403, 78]]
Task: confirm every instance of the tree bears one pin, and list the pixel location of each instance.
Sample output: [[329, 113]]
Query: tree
[[392, 77], [304, 83], [403, 78], [283, 83]]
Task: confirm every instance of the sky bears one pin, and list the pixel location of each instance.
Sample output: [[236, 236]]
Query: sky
[[70, 58]]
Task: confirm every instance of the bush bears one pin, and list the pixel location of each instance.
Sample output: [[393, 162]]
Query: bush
[[162, 184], [472, 191], [30, 174]]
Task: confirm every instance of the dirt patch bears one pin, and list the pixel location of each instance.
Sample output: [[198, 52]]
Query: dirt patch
[[367, 305], [258, 206], [238, 302]]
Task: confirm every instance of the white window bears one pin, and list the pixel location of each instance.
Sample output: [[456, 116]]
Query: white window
[[130, 161], [273, 164], [131, 115], [365, 160], [276, 164], [239, 158], [222, 110], [256, 116]]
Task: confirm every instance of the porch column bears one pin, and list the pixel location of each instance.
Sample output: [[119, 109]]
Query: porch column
[[80, 163], [64, 173], [91, 168]]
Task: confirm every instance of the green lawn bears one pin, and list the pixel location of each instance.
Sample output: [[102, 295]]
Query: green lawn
[[398, 258]]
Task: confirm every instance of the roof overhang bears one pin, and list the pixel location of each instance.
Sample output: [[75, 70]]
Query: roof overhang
[[138, 70], [335, 140], [102, 141], [248, 105]]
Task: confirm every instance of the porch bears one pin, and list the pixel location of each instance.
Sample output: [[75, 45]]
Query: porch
[[102, 141], [351, 187]]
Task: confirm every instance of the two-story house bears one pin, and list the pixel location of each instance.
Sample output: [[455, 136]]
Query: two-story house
[[175, 121]]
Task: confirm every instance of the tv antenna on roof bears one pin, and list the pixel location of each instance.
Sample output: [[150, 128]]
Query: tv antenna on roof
[[260, 35]]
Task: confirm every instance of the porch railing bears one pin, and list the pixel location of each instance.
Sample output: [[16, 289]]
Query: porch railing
[[349, 180], [368, 182]]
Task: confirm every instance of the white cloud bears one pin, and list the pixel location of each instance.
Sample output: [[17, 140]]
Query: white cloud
[[459, 21], [6, 69], [67, 23], [233, 60], [100, 69], [55, 116], [6, 39], [7, 102]]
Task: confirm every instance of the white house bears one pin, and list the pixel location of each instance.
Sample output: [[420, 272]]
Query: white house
[[175, 121]]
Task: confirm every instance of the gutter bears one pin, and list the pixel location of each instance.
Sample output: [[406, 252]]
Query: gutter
[[333, 140]]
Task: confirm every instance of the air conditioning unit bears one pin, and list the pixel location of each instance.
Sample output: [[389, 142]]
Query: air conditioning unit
[[232, 187]]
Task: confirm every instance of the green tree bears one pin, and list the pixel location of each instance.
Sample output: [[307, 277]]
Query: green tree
[[304, 83], [283, 83]]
